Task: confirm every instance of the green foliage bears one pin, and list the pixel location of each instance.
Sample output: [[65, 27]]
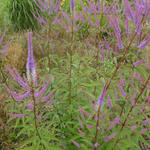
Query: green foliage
[[20, 14], [4, 13]]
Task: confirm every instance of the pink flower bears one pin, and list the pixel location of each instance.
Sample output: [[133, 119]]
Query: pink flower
[[38, 117], [96, 145], [133, 127]]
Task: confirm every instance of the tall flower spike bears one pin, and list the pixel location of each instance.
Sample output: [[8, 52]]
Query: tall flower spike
[[144, 43], [102, 96], [31, 70], [72, 6]]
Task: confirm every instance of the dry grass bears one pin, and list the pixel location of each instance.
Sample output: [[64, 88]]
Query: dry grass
[[15, 56]]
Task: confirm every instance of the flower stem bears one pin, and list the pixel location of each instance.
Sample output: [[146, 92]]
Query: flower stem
[[35, 112]]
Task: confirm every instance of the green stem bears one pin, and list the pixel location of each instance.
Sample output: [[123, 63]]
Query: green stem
[[35, 112]]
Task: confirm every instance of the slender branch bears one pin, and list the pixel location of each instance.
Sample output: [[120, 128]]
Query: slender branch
[[34, 111]]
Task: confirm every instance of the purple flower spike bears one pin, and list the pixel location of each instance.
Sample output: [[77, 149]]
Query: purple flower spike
[[112, 135], [72, 5], [102, 96], [146, 121], [121, 90], [81, 125], [144, 43], [121, 79], [133, 127], [107, 44], [17, 115], [42, 91], [116, 120], [139, 62], [38, 117], [128, 10], [109, 102], [82, 133], [114, 23], [31, 70], [76, 144], [96, 145], [142, 131], [29, 106], [17, 96]]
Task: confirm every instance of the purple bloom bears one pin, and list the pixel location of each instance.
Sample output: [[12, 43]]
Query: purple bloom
[[106, 139], [109, 102], [121, 90], [144, 43], [29, 106], [128, 10], [121, 79], [116, 120], [38, 117], [44, 88], [107, 44], [18, 78], [72, 5], [132, 79], [81, 125], [31, 70], [82, 133], [127, 26], [133, 127], [116, 51], [17, 115], [114, 23], [89, 126], [76, 144], [96, 145], [17, 96], [47, 96], [142, 131], [50, 101], [112, 135], [81, 112], [146, 121], [102, 96]]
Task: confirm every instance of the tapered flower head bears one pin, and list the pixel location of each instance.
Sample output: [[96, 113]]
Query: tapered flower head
[[102, 96], [72, 5], [31, 69]]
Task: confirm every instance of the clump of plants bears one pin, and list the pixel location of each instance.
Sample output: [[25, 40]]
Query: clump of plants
[[96, 101]]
